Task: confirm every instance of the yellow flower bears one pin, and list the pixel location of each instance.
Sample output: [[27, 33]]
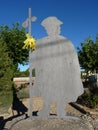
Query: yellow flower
[[29, 42]]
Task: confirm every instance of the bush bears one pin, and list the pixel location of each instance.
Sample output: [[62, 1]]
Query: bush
[[89, 98], [23, 93], [6, 98]]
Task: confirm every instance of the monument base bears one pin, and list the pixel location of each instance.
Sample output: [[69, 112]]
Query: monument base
[[68, 123]]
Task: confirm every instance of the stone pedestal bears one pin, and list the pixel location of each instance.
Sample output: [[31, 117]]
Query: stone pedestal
[[68, 123]]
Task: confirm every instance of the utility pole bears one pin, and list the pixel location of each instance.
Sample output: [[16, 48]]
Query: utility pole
[[27, 23]]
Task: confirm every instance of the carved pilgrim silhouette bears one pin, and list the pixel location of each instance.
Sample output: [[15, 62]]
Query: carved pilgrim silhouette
[[57, 69]]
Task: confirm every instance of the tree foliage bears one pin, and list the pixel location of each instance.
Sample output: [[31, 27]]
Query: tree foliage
[[25, 73], [88, 54], [6, 68], [89, 98], [14, 38], [11, 54]]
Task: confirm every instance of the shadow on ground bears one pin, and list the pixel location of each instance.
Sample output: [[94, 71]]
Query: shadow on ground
[[17, 106]]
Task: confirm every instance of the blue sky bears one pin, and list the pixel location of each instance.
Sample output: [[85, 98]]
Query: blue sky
[[79, 17]]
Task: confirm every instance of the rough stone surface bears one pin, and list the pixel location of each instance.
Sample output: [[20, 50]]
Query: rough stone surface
[[96, 124], [50, 124]]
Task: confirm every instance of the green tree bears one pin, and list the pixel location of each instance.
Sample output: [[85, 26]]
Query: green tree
[[25, 73], [88, 54], [14, 38], [6, 68]]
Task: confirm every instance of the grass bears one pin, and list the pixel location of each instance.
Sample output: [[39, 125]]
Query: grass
[[6, 98], [5, 101], [23, 93]]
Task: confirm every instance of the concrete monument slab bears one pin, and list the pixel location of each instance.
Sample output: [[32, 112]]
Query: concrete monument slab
[[57, 69]]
